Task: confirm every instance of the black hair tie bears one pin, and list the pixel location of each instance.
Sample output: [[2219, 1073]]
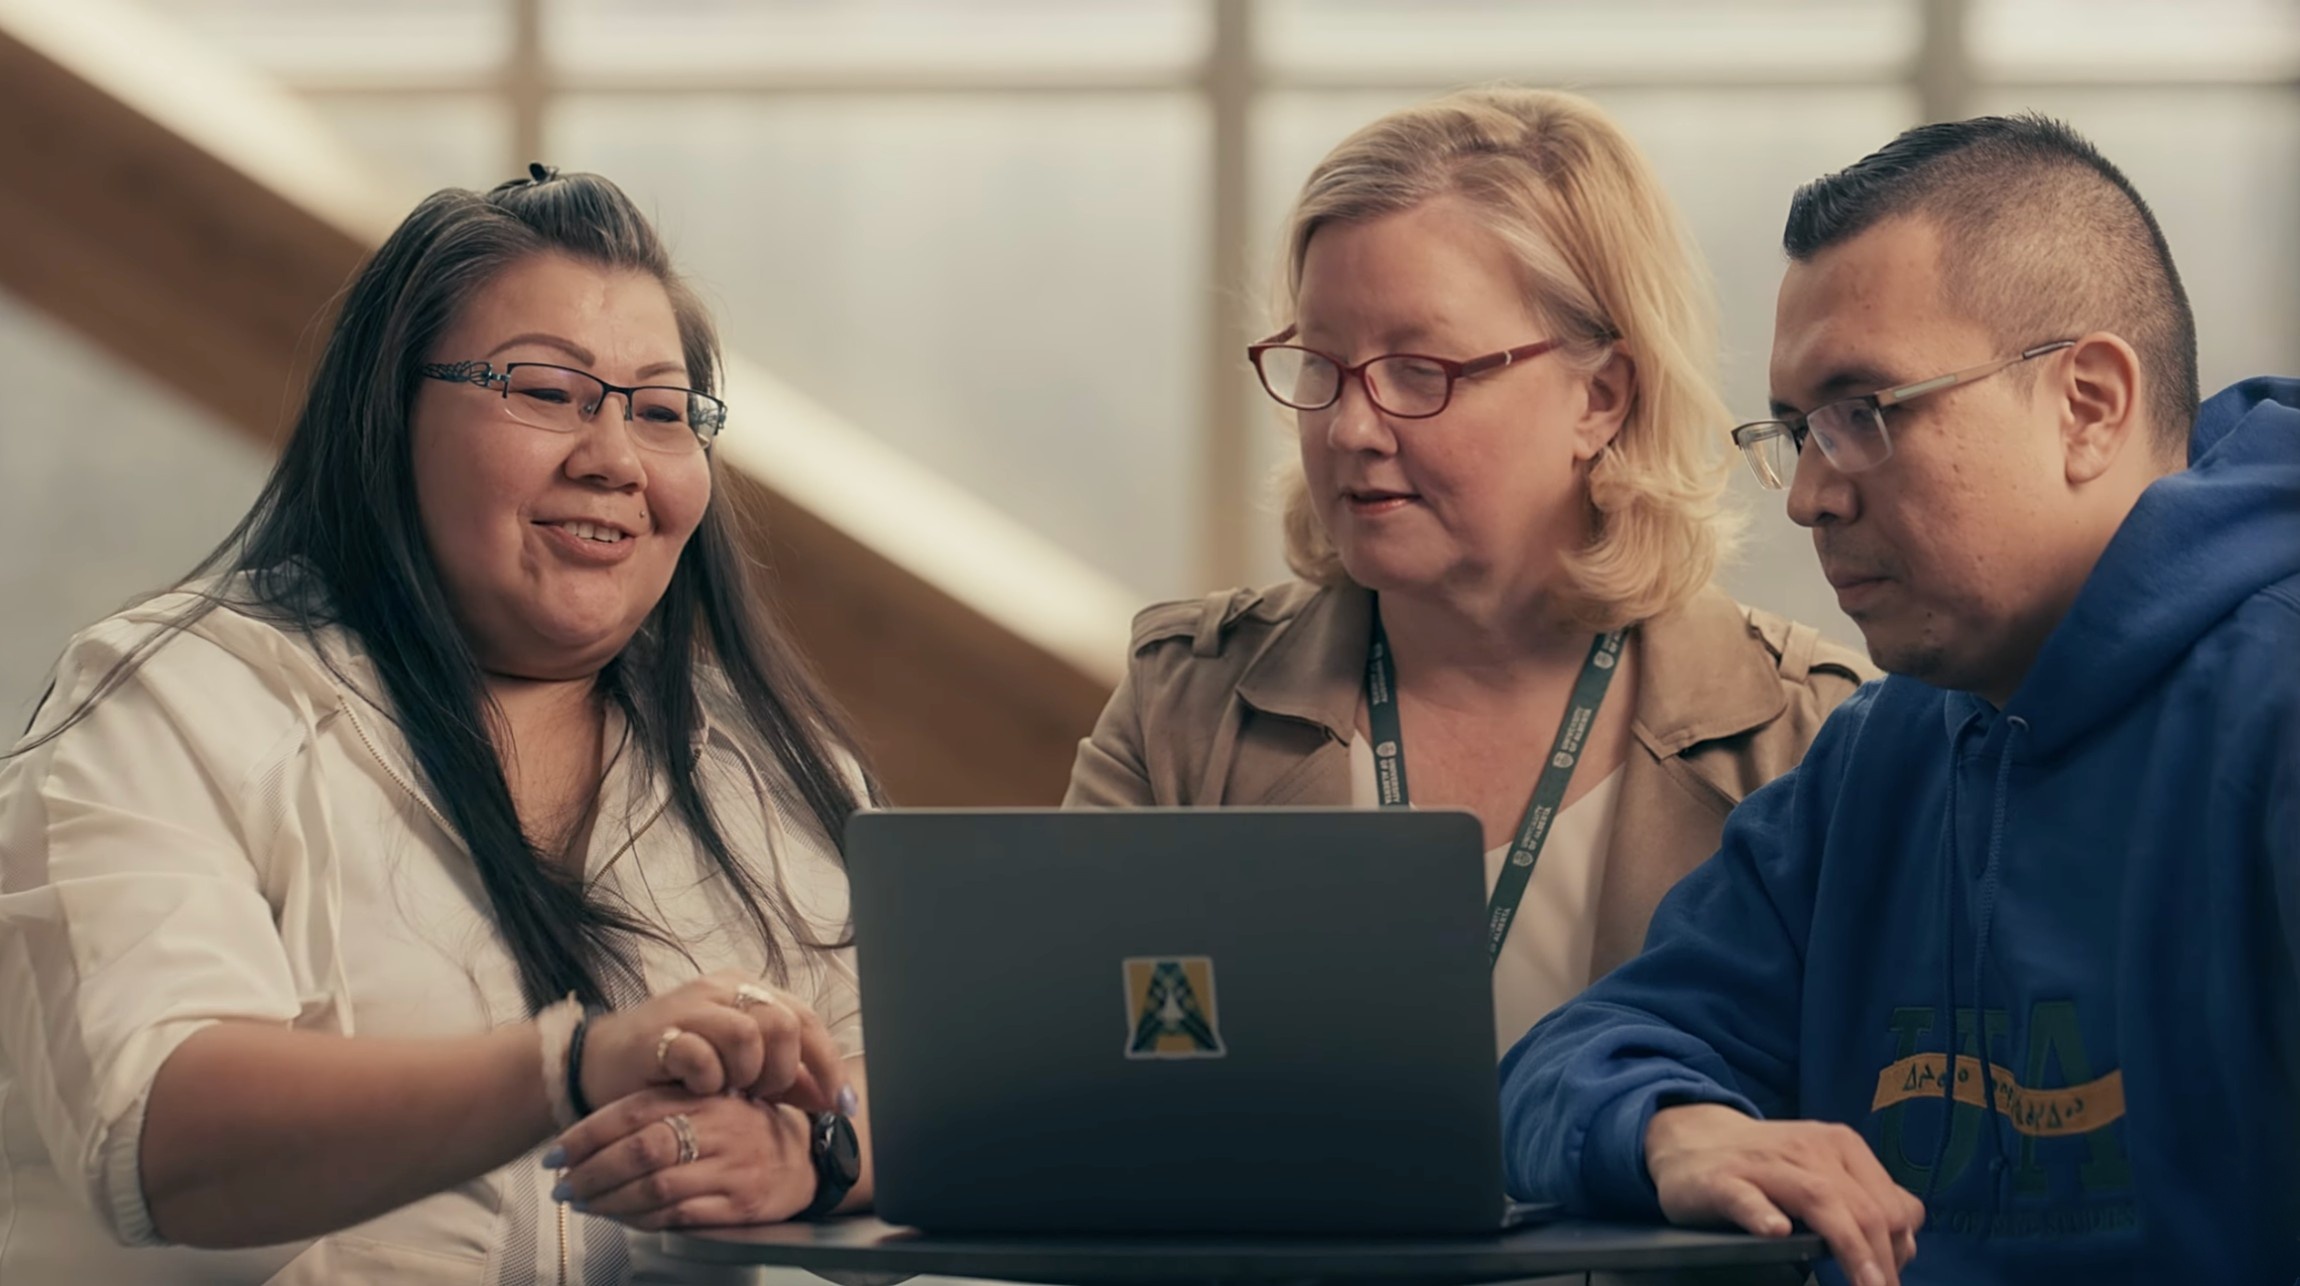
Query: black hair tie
[[575, 1097], [538, 172]]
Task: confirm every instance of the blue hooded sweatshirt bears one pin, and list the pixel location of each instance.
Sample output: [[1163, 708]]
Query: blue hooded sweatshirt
[[2095, 889]]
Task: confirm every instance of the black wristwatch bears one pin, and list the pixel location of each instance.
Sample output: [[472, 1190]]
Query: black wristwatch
[[837, 1155]]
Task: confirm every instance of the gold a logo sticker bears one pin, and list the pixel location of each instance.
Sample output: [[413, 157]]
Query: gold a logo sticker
[[1170, 1008]]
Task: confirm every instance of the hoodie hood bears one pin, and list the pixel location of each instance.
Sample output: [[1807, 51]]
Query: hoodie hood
[[2197, 544]]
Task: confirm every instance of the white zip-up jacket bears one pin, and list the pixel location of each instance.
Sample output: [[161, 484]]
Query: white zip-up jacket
[[238, 833]]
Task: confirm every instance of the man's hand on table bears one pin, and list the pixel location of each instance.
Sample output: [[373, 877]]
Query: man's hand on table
[[1713, 1164]]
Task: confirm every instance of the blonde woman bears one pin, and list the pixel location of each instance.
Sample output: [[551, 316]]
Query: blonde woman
[[1496, 343]]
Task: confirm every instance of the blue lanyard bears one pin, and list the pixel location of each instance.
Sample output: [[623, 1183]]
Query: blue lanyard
[[1548, 790]]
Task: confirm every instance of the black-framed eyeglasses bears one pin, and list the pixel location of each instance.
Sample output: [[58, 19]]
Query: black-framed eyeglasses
[[1851, 431], [1410, 386], [663, 417]]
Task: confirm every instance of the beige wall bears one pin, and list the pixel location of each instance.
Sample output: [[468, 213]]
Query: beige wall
[[109, 486]]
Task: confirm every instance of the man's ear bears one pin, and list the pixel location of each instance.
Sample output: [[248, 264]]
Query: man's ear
[[2100, 406], [1608, 391]]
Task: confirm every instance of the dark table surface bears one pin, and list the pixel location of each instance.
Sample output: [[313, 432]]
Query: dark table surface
[[867, 1246]]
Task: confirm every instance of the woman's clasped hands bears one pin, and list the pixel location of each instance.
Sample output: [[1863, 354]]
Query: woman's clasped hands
[[718, 1034], [704, 1096]]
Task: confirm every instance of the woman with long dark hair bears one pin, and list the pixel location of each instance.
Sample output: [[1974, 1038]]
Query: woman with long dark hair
[[465, 792]]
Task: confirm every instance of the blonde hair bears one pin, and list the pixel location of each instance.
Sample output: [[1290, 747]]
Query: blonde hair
[[1607, 264]]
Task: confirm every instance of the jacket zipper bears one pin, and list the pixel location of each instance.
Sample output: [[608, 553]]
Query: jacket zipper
[[359, 728], [423, 801]]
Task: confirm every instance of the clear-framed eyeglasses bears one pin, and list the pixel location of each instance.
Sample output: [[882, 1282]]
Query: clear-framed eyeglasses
[[663, 417], [1851, 431]]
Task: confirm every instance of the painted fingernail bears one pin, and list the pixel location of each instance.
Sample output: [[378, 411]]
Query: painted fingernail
[[555, 1158], [847, 1100], [561, 1192]]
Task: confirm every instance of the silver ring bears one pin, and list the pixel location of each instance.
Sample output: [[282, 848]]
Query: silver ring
[[663, 1046], [749, 994], [685, 1129]]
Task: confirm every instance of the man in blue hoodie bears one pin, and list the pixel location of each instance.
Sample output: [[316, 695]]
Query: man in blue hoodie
[[2011, 957]]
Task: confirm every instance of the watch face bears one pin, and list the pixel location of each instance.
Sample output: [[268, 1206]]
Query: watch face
[[839, 1151]]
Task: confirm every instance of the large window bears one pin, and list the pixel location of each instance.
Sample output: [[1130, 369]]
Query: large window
[[1023, 240]]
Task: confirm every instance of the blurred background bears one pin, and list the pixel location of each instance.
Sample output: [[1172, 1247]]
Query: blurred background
[[986, 265]]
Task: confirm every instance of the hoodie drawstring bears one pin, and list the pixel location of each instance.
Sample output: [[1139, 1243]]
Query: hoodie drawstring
[[1984, 916], [1984, 924], [1948, 1010]]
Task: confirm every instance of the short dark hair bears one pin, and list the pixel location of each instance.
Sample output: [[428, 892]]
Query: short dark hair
[[2042, 237]]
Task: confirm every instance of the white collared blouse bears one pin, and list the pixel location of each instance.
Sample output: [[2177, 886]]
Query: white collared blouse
[[237, 833]]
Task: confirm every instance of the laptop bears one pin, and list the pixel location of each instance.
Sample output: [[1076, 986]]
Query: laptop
[[1179, 1020]]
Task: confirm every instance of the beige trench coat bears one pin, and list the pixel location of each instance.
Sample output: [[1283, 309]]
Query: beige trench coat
[[1251, 697]]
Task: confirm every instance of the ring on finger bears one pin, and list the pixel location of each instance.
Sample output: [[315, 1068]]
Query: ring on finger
[[750, 993], [663, 1045], [685, 1130]]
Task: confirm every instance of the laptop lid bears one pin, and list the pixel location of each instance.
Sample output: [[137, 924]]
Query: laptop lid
[[1178, 1019]]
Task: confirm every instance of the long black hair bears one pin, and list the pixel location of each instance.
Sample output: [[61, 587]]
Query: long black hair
[[334, 540]]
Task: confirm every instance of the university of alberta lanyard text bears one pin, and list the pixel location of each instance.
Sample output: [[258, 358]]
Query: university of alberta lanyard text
[[1548, 790]]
